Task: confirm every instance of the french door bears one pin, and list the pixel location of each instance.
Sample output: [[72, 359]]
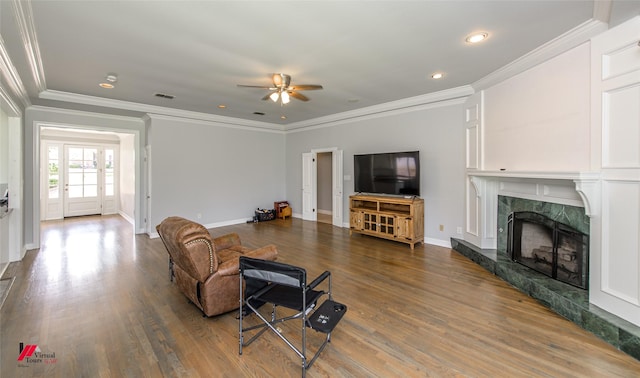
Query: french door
[[80, 180]]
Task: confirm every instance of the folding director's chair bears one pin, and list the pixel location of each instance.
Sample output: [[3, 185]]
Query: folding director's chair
[[286, 285]]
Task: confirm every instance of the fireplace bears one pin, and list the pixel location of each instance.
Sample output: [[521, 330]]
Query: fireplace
[[549, 247]]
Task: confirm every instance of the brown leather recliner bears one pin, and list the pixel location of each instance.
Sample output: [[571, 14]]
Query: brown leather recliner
[[207, 270]]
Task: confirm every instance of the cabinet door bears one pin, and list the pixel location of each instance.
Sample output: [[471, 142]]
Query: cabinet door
[[405, 228], [387, 225], [370, 222], [356, 220]]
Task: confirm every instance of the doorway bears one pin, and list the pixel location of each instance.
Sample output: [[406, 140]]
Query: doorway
[[321, 179], [324, 185]]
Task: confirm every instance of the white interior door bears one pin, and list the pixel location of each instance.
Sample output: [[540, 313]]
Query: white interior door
[[82, 181], [309, 186], [336, 172]]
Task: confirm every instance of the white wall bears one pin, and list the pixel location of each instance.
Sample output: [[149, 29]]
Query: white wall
[[4, 179], [213, 174], [539, 120], [127, 175], [4, 148], [436, 130]]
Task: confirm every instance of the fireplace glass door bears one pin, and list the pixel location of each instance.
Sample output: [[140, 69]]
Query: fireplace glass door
[[549, 247]]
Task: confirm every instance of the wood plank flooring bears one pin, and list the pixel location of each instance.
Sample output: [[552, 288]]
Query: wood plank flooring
[[99, 297]]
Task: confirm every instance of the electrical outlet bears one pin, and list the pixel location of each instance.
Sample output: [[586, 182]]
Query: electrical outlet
[[442, 227], [459, 230]]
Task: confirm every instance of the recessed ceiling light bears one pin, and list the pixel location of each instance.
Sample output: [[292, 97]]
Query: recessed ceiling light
[[477, 37], [283, 117], [437, 75], [222, 106], [110, 82]]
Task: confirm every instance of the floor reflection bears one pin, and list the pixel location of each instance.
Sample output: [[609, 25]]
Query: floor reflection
[[82, 247]]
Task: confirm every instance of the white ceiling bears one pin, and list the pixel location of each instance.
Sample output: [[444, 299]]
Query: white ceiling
[[364, 53]]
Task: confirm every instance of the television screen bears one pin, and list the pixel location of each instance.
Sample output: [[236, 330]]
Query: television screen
[[387, 173]]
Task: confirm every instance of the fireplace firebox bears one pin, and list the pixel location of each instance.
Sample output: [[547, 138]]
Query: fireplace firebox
[[549, 247]]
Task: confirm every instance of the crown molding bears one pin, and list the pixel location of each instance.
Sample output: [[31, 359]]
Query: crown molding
[[12, 78], [153, 109], [407, 105], [24, 18], [82, 113], [200, 121], [5, 100], [574, 37]]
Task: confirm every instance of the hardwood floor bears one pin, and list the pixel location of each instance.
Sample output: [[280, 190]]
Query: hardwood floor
[[98, 297]]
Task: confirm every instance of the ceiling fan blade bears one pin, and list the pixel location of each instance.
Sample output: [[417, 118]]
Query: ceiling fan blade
[[299, 96], [256, 86], [306, 87], [266, 97]]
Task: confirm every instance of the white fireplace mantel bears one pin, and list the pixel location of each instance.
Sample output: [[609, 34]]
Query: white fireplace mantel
[[545, 186], [580, 189], [544, 175]]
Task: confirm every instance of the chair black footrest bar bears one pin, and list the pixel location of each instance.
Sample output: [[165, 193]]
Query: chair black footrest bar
[[326, 317]]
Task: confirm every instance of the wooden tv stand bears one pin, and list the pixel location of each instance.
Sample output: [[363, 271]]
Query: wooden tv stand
[[394, 218]]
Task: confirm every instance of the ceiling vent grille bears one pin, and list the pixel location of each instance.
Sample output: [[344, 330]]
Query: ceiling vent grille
[[164, 95]]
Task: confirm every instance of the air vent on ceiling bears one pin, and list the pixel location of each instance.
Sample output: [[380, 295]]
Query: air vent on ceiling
[[258, 113], [164, 95]]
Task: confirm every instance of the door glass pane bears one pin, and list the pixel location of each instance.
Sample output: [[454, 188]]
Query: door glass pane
[[53, 174], [75, 178], [75, 191], [83, 172], [90, 190], [91, 177], [109, 166]]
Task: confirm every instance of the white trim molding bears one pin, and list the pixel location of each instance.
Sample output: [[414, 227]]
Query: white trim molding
[[154, 109], [9, 72], [24, 18], [574, 37], [430, 100]]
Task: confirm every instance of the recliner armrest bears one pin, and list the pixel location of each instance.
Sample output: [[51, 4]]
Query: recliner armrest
[[232, 267], [268, 252], [226, 241]]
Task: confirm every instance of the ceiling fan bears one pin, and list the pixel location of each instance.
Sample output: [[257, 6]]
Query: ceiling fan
[[283, 90]]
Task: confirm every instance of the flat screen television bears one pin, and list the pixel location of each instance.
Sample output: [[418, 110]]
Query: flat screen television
[[396, 173]]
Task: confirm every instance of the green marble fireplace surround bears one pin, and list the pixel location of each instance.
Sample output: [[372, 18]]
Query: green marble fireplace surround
[[566, 300]]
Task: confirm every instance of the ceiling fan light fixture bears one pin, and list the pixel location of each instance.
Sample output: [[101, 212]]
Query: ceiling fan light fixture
[[285, 97], [274, 96]]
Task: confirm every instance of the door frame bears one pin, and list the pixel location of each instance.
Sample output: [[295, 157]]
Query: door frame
[[139, 208], [310, 172]]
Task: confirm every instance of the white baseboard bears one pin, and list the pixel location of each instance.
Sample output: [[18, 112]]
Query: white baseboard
[[127, 218], [438, 242]]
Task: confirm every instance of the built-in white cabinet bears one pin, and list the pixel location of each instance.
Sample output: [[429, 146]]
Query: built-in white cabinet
[[601, 132], [615, 106]]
